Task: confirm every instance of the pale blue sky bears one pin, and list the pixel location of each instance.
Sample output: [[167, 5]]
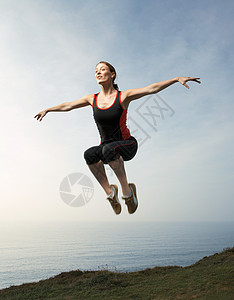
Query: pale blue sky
[[48, 53]]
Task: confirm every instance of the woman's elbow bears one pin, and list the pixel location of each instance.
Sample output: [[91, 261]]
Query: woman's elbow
[[67, 106]]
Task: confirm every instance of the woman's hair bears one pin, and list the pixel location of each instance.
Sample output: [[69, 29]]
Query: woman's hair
[[112, 69]]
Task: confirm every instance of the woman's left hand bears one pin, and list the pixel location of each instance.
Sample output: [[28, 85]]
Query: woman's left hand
[[183, 80]]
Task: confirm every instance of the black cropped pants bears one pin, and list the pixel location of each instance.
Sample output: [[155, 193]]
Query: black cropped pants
[[112, 151]]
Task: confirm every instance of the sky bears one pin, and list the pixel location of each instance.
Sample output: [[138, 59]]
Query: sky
[[183, 169]]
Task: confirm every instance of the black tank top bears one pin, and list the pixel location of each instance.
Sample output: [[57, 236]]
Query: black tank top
[[111, 121]]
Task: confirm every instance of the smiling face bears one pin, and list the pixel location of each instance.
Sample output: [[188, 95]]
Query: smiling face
[[103, 74]]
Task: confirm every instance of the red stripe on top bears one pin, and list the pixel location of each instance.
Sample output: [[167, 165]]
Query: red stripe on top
[[123, 127], [120, 101], [124, 130]]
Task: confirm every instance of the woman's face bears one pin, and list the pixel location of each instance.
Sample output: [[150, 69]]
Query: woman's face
[[103, 74]]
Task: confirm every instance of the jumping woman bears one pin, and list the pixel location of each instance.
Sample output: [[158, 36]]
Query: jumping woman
[[117, 144]]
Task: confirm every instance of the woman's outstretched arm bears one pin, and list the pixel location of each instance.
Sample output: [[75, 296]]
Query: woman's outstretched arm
[[133, 94], [67, 106]]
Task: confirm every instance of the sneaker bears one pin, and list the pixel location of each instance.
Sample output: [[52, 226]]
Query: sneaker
[[114, 201], [131, 201]]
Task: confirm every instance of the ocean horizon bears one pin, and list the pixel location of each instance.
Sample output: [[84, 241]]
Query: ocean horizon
[[34, 251]]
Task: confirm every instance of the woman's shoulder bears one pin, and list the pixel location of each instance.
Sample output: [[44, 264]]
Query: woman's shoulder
[[89, 98]]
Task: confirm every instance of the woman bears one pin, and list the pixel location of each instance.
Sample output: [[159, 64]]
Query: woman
[[117, 145]]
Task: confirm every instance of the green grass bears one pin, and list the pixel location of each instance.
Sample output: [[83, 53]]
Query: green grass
[[210, 278]]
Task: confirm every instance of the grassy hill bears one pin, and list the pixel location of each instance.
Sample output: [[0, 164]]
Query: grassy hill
[[210, 278]]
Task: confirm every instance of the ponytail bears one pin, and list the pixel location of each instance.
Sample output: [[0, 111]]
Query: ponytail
[[115, 85]]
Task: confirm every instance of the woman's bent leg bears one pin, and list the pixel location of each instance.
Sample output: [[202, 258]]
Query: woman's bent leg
[[115, 154], [94, 160], [93, 157], [99, 172], [118, 167]]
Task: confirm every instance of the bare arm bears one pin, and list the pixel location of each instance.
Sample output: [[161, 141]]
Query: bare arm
[[133, 94], [67, 106]]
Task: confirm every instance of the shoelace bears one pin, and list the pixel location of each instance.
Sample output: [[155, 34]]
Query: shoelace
[[112, 200], [113, 203], [130, 199]]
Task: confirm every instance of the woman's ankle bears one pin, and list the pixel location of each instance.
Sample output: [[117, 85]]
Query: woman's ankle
[[109, 191], [127, 193]]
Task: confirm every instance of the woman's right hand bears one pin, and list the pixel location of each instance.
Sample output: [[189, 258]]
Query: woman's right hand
[[41, 115]]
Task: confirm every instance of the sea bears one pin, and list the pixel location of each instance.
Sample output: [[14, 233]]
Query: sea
[[30, 252]]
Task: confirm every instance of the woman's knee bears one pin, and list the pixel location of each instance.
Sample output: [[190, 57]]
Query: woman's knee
[[109, 154], [91, 155]]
